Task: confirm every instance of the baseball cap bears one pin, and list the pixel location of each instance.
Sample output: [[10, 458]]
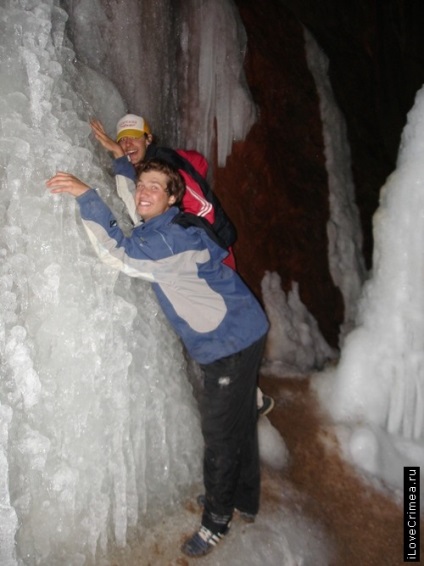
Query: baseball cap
[[132, 126]]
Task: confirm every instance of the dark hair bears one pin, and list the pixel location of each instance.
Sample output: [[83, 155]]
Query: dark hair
[[175, 185]]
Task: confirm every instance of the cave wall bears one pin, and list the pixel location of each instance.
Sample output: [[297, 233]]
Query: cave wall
[[279, 194]]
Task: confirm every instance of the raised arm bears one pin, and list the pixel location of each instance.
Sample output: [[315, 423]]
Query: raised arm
[[107, 238], [123, 169], [108, 143]]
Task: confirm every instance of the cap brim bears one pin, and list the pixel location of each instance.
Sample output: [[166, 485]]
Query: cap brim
[[130, 134]]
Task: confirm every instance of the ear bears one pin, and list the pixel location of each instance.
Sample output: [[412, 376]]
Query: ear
[[171, 200], [149, 139]]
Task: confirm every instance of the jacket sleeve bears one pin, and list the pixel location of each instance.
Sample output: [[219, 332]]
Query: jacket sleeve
[[122, 166], [125, 188], [125, 177]]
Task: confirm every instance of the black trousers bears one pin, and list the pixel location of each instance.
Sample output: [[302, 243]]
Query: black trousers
[[229, 425]]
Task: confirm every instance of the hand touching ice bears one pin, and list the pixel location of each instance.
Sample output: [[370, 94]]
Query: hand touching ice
[[66, 183], [108, 143]]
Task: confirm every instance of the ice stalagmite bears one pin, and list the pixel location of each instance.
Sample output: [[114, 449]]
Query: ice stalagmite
[[380, 378], [346, 263]]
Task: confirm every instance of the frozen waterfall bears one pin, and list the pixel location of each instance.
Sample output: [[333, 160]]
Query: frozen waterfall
[[99, 427]]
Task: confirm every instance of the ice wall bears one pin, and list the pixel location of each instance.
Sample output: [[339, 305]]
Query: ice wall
[[180, 65], [134, 44], [380, 378], [346, 262], [98, 425]]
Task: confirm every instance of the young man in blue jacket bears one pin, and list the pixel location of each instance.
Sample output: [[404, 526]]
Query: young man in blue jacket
[[133, 146], [217, 317]]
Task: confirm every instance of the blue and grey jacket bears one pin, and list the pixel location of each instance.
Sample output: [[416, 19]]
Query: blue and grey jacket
[[206, 302]]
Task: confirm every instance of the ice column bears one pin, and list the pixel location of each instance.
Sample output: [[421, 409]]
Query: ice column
[[98, 426], [344, 229], [380, 378]]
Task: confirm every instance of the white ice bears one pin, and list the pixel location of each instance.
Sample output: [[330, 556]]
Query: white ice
[[99, 426], [377, 390], [295, 345]]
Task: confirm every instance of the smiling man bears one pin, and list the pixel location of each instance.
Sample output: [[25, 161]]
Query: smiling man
[[134, 136], [133, 146], [216, 316], [152, 196]]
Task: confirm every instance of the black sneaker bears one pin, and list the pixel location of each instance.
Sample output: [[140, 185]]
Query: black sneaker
[[267, 406], [202, 542]]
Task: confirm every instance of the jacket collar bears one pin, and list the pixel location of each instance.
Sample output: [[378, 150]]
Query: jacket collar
[[161, 219]]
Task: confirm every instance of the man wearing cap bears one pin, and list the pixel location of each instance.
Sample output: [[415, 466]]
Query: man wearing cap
[[134, 145]]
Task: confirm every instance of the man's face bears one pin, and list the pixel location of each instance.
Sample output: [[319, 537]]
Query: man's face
[[151, 198], [135, 148]]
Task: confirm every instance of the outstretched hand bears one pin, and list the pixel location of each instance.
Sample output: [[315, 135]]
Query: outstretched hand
[[66, 183], [108, 143]]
